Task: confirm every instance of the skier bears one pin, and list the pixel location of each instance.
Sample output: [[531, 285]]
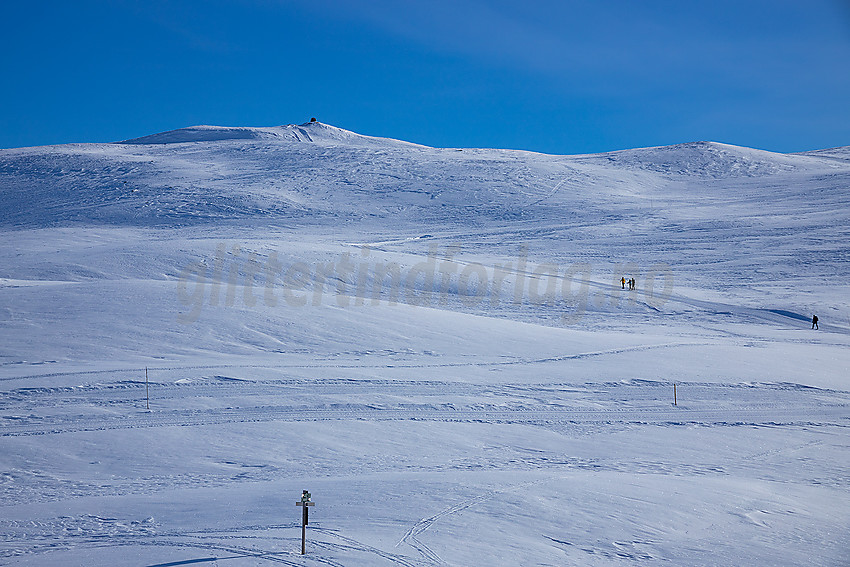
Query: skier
[[623, 282], [814, 322]]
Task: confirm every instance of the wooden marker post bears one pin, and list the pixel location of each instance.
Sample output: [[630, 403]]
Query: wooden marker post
[[674, 394], [305, 502]]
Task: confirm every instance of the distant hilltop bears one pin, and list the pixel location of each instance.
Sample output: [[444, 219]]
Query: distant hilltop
[[313, 131], [319, 173], [319, 132]]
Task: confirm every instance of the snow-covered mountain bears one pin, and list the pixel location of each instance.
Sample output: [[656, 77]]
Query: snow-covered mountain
[[210, 174], [313, 132], [446, 328]]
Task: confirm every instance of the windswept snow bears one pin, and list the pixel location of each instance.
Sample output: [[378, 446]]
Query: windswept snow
[[435, 342]]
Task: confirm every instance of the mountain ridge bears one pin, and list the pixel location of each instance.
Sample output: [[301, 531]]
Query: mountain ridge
[[316, 171], [319, 132]]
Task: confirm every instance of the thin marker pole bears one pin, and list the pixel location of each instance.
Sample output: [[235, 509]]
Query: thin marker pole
[[304, 531], [147, 390], [674, 394]]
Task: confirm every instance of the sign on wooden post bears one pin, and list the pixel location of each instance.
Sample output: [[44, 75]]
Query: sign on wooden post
[[304, 503]]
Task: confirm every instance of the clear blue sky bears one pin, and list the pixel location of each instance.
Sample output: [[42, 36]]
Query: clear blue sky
[[551, 76]]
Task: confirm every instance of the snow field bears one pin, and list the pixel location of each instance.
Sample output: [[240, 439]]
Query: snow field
[[435, 422]]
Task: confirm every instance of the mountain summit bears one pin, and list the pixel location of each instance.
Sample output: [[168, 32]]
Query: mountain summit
[[314, 132]]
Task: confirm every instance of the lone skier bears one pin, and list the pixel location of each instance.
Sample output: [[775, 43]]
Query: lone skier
[[815, 322]]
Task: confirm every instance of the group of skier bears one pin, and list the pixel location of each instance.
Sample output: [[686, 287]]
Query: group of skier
[[632, 284]]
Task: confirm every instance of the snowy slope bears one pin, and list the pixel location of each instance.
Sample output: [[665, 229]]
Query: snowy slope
[[433, 341], [212, 174], [313, 132], [842, 153]]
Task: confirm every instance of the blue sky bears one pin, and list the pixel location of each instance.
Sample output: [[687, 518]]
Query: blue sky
[[556, 77]]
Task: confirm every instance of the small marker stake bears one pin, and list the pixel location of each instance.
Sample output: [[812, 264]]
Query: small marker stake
[[674, 394], [147, 391]]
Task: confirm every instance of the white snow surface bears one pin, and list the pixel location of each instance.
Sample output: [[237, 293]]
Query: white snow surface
[[313, 132], [435, 342]]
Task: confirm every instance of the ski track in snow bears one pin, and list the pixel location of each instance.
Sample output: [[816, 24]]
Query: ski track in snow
[[765, 404], [244, 541], [341, 366], [29, 412], [411, 536]]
